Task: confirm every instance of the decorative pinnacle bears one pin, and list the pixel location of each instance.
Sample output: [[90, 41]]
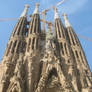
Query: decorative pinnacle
[[56, 13], [24, 14], [67, 24], [36, 11]]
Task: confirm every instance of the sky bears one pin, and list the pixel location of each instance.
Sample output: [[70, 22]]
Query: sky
[[79, 14]]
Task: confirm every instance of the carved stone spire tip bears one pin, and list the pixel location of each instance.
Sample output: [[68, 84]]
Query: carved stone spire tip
[[67, 24], [64, 14], [24, 14], [26, 5], [36, 11], [56, 13]]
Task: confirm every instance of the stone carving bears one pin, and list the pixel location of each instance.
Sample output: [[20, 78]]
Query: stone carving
[[49, 62]]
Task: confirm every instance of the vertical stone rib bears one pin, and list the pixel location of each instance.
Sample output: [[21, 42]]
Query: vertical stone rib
[[34, 24], [77, 52], [56, 29], [65, 83], [12, 55], [50, 63], [43, 80], [29, 77], [66, 51], [32, 51], [8, 48]]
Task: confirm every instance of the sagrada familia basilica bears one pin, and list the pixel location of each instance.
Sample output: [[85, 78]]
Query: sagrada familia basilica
[[36, 60]]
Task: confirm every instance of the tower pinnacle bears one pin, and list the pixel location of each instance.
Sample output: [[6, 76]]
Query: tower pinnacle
[[37, 60], [24, 14], [67, 24], [36, 11], [56, 13]]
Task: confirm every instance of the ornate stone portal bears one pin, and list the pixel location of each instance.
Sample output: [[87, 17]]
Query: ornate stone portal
[[44, 62]]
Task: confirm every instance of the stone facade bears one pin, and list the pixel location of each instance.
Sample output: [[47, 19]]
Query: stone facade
[[44, 62]]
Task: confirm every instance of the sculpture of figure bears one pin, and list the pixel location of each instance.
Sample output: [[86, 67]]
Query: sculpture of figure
[[50, 38]]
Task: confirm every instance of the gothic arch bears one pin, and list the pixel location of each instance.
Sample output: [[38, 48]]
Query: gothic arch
[[53, 81], [15, 86]]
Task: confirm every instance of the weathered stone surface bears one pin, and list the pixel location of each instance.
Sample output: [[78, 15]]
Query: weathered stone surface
[[49, 62]]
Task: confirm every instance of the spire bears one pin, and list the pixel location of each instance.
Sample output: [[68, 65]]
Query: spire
[[24, 14], [36, 11], [67, 24], [56, 13], [50, 25], [50, 35]]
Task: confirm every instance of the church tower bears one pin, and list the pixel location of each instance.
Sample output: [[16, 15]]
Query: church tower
[[65, 50], [32, 58], [15, 49], [37, 60], [80, 58]]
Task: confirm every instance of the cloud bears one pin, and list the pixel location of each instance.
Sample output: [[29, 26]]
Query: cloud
[[70, 6]]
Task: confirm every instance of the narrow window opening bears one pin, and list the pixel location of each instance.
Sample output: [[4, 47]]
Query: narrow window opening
[[29, 45], [31, 26], [39, 30], [24, 46], [35, 26], [81, 57], [58, 30], [33, 43], [76, 54], [61, 45], [19, 47], [72, 38], [62, 29], [37, 44], [14, 45], [65, 48], [63, 33], [69, 61]]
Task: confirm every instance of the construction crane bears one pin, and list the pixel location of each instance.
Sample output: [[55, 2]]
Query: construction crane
[[44, 12], [57, 4], [8, 19], [50, 24], [43, 20], [84, 37]]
